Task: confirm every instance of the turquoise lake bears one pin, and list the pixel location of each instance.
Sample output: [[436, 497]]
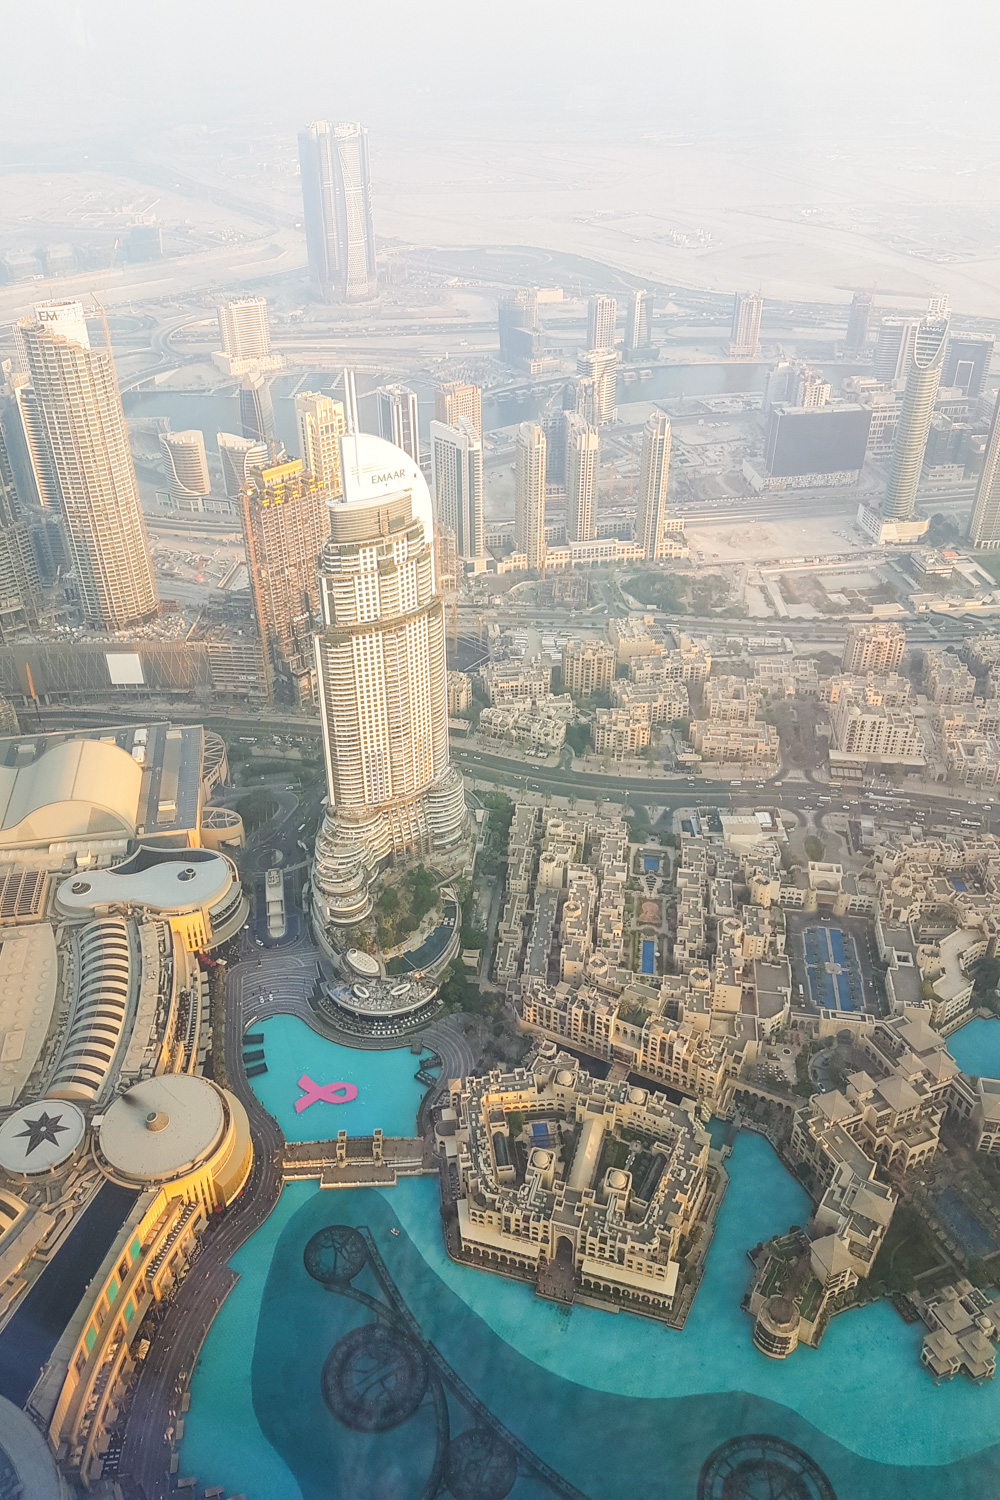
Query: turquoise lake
[[388, 1093], [617, 1405]]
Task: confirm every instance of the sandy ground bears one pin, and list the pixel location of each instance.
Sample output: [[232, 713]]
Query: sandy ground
[[805, 221], [761, 541]]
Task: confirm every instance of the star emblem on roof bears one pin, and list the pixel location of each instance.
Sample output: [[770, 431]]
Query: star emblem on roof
[[46, 1128]]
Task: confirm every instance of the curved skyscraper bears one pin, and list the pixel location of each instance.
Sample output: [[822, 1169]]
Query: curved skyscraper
[[77, 394], [337, 208], [923, 376], [239, 456], [382, 687], [187, 468]]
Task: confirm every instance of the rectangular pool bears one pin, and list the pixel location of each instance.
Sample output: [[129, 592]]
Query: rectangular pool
[[648, 950]]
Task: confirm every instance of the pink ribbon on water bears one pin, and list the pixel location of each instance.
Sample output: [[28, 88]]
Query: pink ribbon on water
[[328, 1093]]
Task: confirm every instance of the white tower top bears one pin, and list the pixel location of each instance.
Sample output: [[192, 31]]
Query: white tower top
[[373, 469], [66, 318]]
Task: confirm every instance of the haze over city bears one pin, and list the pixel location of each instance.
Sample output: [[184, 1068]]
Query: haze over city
[[499, 752]]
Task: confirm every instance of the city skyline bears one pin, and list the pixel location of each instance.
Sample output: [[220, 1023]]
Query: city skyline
[[499, 754]]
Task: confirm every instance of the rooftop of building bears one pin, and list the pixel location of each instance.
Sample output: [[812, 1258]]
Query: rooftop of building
[[120, 782], [163, 880], [163, 1127]]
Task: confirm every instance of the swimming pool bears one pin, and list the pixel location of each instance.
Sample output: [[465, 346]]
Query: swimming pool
[[388, 1094], [976, 1048], [648, 956]]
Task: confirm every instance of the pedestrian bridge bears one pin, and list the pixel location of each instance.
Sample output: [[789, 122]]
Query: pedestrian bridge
[[357, 1161]]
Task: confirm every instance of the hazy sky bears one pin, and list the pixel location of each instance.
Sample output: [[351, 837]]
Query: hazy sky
[[75, 66]]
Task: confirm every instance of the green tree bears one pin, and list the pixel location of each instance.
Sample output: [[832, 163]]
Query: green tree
[[814, 848]]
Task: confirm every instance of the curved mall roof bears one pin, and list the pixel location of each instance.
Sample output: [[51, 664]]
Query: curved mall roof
[[77, 788], [163, 1127], [41, 1136]]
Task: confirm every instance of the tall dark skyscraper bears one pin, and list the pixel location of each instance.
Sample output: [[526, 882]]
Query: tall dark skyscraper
[[967, 361], [858, 323], [337, 208], [20, 585], [256, 410], [984, 525], [517, 323]]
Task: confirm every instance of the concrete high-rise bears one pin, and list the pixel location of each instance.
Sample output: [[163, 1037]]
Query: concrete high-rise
[[529, 493], [602, 313], [984, 525], [745, 334], [256, 409], [239, 456], [188, 479], [320, 421], [286, 522], [582, 456], [923, 376], [79, 401], [893, 348], [337, 209], [246, 337], [600, 366], [874, 648], [654, 473], [459, 399], [638, 328], [20, 583], [397, 419], [858, 323], [457, 484], [382, 687], [811, 390]]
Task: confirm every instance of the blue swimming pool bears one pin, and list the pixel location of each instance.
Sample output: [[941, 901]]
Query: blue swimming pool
[[388, 1094], [968, 1231], [976, 1048], [648, 956], [651, 862]]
